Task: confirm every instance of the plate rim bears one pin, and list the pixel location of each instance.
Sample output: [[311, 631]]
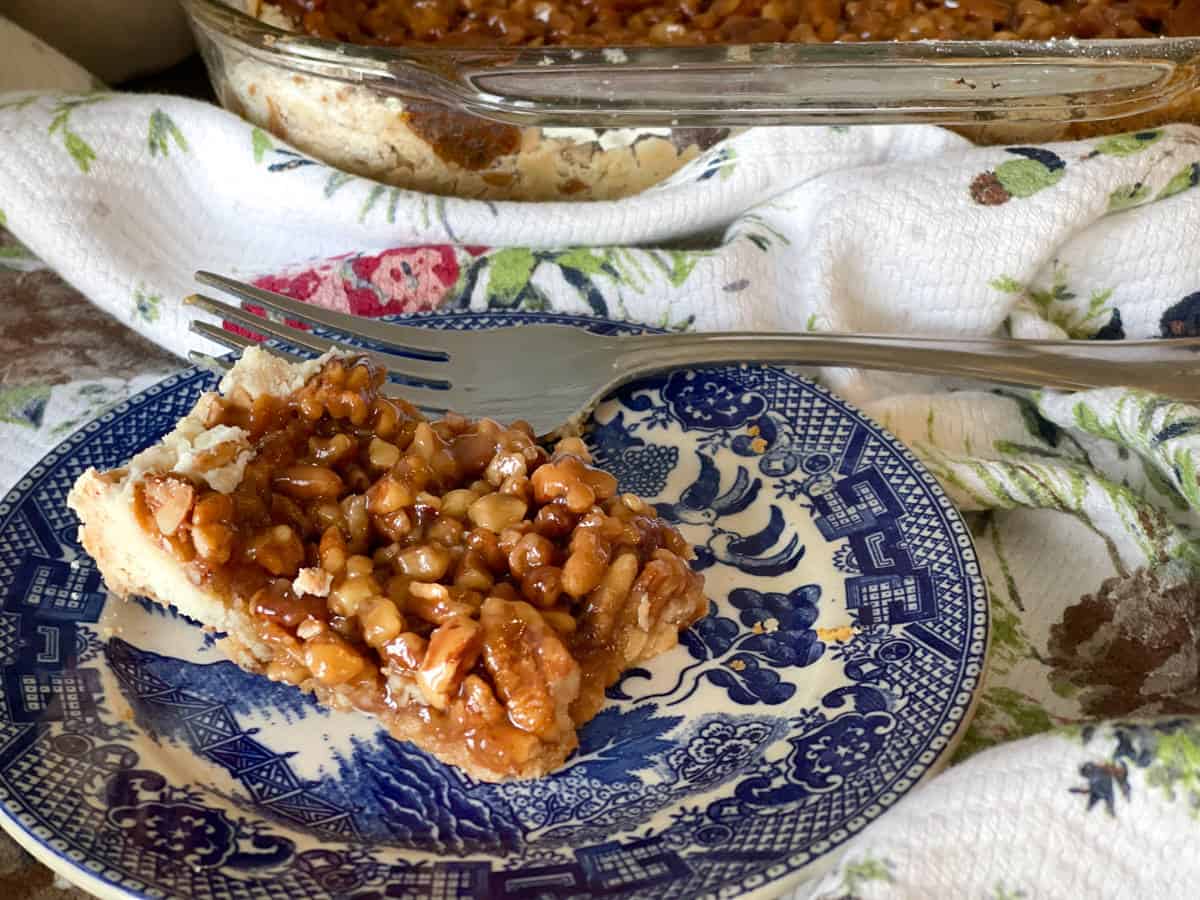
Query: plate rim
[[795, 874]]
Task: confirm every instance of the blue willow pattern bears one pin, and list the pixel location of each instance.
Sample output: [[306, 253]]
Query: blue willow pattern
[[686, 782]]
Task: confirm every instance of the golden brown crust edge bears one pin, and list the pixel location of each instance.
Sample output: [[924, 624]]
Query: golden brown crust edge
[[132, 564]]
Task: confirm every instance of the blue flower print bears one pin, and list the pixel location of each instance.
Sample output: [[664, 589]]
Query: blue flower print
[[712, 636], [748, 683], [782, 624], [823, 759], [780, 635], [719, 749], [709, 400]]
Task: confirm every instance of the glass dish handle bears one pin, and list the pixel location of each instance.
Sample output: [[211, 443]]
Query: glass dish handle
[[945, 82], [809, 84]]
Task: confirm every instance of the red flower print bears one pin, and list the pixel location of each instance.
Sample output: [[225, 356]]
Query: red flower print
[[322, 286], [298, 287], [402, 280], [407, 279]]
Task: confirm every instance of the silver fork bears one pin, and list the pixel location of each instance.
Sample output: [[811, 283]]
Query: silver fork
[[552, 375]]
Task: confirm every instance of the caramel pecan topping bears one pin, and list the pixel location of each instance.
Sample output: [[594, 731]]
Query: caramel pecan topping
[[455, 565]]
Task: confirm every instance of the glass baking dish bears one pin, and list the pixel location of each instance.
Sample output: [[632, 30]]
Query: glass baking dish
[[594, 124]]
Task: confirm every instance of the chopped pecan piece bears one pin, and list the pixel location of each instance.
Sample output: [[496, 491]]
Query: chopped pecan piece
[[453, 649], [170, 500], [534, 674]]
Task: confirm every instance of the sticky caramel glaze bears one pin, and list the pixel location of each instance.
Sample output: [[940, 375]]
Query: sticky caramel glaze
[[453, 578]]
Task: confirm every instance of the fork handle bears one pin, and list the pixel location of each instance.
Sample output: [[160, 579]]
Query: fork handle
[[1169, 367]]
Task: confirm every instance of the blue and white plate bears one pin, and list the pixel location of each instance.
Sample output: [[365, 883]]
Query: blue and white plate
[[836, 669]]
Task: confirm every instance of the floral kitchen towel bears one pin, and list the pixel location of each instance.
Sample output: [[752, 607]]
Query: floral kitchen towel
[[1085, 508]]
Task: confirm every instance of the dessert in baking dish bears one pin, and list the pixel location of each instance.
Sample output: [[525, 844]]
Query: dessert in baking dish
[[687, 22], [395, 133]]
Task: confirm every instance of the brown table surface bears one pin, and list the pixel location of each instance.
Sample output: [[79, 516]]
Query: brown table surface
[[49, 333]]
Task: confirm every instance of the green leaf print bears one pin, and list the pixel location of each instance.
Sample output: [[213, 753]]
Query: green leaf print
[[97, 397], [335, 182], [857, 874], [1087, 420], [1161, 431], [1186, 179], [1116, 514], [161, 132], [19, 103], [1058, 293], [762, 237], [75, 145], [1003, 715], [1034, 169], [1063, 688], [1012, 448], [507, 276], [1128, 144], [1176, 767], [1025, 177], [1006, 284], [1163, 485], [261, 142], [1003, 892], [1009, 643], [587, 261], [79, 149], [677, 265], [1128, 195], [721, 163], [24, 404], [1037, 426], [638, 269], [373, 197], [146, 306], [865, 871], [1060, 306], [13, 254], [508, 272]]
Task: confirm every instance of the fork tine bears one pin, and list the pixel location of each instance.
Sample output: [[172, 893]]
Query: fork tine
[[432, 372], [425, 342], [236, 341], [258, 323], [428, 399]]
